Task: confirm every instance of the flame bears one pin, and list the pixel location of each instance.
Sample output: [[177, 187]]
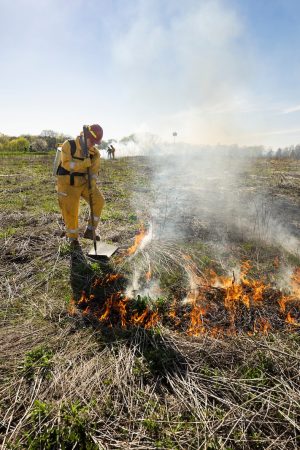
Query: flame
[[83, 298], [282, 303], [86, 311], [259, 288], [233, 294], [108, 306], [246, 300], [196, 317], [153, 320], [216, 331], [194, 280], [291, 320], [194, 297], [118, 303], [111, 278], [172, 314], [137, 241], [261, 325], [148, 273], [122, 305], [108, 279], [214, 305], [237, 291], [72, 307], [139, 319], [294, 296]]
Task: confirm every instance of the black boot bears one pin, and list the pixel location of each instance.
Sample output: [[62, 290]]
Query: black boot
[[74, 243], [88, 234]]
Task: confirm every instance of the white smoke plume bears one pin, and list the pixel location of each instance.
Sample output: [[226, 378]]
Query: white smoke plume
[[201, 193]]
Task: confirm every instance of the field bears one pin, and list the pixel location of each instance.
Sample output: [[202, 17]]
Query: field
[[188, 340]]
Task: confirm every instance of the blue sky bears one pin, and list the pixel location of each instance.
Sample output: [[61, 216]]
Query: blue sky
[[215, 71]]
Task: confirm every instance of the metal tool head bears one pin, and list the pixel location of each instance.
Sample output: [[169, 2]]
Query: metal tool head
[[103, 251]]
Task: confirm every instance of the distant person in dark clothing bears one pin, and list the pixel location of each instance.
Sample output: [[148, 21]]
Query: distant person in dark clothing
[[109, 152], [113, 150]]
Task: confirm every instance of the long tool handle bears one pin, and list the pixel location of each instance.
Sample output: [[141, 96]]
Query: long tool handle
[[86, 154]]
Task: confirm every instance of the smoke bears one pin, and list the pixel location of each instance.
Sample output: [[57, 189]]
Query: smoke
[[213, 195], [145, 144]]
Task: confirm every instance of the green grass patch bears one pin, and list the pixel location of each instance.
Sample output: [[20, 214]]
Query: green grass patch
[[5, 233], [68, 430], [38, 362]]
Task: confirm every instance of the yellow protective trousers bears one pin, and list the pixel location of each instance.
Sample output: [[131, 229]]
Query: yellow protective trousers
[[69, 199]]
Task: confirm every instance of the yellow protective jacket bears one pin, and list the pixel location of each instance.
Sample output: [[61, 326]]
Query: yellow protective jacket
[[77, 162], [71, 190]]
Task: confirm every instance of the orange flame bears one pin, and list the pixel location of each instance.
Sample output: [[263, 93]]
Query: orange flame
[[72, 307], [108, 279], [291, 320], [259, 288], [196, 317], [108, 306], [121, 305], [172, 314], [153, 320], [86, 311], [295, 296], [282, 303], [137, 241], [208, 296], [137, 319], [83, 298]]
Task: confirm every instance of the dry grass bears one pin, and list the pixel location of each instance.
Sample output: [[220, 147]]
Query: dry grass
[[70, 383], [158, 389]]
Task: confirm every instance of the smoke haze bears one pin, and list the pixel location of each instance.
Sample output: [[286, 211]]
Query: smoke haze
[[214, 195]]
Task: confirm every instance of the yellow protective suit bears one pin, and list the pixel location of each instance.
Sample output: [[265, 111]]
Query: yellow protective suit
[[69, 196]]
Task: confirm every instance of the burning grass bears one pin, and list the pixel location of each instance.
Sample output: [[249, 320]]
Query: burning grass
[[209, 304], [212, 304]]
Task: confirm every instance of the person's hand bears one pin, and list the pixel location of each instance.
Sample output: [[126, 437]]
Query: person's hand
[[92, 151]]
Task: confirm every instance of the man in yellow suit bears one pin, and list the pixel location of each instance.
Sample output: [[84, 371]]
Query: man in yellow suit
[[72, 182]]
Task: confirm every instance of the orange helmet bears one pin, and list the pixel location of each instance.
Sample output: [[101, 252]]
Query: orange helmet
[[95, 133]]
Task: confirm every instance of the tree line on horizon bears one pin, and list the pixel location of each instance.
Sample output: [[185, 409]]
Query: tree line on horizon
[[291, 152], [48, 140]]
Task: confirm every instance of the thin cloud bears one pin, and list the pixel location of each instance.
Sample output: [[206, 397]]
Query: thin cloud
[[292, 109]]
